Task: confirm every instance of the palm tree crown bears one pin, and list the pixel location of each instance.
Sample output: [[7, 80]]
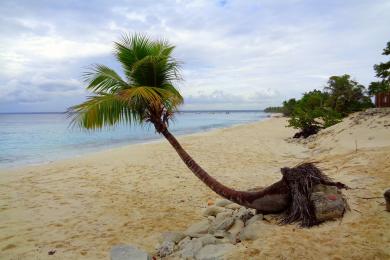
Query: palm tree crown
[[145, 94]]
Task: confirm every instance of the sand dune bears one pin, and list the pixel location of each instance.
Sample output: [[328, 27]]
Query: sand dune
[[81, 207]]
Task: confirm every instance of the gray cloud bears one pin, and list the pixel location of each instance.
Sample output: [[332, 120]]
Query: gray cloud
[[241, 54]]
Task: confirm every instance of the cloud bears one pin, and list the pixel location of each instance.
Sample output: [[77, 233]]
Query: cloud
[[238, 54], [38, 89]]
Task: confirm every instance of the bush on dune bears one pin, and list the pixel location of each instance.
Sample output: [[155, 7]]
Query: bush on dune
[[321, 109]]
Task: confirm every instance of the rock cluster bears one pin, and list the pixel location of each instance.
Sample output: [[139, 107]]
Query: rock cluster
[[224, 224], [227, 223]]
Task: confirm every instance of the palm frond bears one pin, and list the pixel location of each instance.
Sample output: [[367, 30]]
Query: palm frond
[[130, 49], [148, 93], [101, 78], [102, 110]]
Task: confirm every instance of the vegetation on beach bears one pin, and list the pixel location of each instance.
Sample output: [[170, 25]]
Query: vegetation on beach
[[341, 96], [147, 95], [320, 109], [382, 71]]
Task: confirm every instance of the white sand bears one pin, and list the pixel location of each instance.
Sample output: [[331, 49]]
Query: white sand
[[82, 207]]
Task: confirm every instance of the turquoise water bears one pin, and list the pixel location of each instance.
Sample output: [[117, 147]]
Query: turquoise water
[[39, 138]]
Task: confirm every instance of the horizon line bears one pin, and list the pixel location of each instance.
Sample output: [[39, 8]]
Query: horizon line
[[189, 110]]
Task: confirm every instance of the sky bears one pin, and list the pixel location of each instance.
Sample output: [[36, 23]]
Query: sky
[[235, 54]]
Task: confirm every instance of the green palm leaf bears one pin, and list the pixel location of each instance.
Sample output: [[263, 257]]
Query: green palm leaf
[[147, 94]]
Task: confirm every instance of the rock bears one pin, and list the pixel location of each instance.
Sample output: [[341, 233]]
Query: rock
[[197, 229], [214, 252], [387, 198], [233, 206], [223, 215], [210, 202], [220, 234], [126, 252], [328, 202], [211, 218], [212, 211], [254, 230], [236, 228], [183, 242], [223, 221], [254, 219], [207, 240], [223, 203], [244, 214], [166, 248], [191, 249], [174, 237]]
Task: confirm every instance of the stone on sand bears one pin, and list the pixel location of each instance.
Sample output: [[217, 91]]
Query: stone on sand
[[214, 252], [198, 229], [223, 203], [213, 211], [174, 237], [191, 248], [166, 248], [328, 202], [126, 252]]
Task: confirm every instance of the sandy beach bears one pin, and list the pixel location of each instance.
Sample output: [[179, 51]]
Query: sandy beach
[[83, 206]]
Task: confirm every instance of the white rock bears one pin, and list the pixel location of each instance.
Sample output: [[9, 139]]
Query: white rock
[[211, 218], [220, 234], [236, 228], [197, 229], [183, 242], [223, 221], [223, 215], [126, 252], [224, 224], [174, 237], [207, 239], [233, 206], [254, 219], [223, 203], [214, 252], [254, 230], [243, 213], [191, 249], [212, 211], [166, 248]]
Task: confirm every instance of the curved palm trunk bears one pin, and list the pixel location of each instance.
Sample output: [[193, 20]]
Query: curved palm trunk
[[274, 198]]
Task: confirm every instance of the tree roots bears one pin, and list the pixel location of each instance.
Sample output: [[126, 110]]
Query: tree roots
[[301, 180]]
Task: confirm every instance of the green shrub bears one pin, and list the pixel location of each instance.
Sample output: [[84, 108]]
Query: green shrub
[[310, 114]]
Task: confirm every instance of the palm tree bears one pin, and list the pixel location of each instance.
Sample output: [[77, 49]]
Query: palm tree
[[147, 95]]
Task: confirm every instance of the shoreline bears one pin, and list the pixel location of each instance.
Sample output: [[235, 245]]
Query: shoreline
[[159, 139]]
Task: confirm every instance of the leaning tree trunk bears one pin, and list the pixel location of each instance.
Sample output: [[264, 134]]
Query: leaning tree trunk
[[292, 194], [274, 198]]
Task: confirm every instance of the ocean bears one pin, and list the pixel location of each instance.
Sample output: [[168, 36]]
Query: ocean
[[36, 138]]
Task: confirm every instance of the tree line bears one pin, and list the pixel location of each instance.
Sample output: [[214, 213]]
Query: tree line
[[318, 109]]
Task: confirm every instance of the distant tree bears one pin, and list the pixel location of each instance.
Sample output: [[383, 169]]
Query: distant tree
[[346, 95], [310, 114], [382, 71], [378, 87], [289, 106], [274, 110]]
